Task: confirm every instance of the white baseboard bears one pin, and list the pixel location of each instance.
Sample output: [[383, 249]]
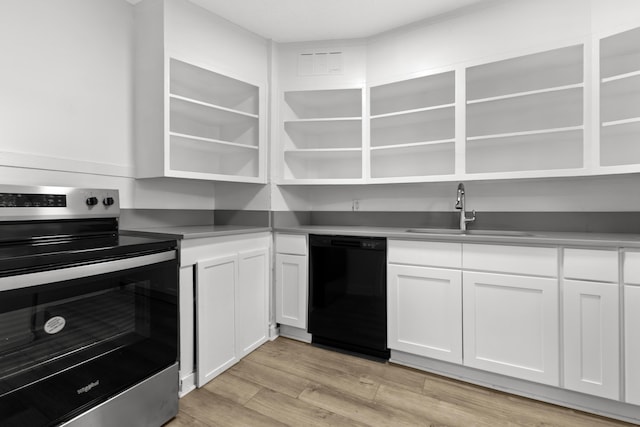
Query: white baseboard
[[274, 332], [295, 333], [187, 384]]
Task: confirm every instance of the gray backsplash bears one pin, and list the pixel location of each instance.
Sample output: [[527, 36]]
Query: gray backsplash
[[596, 222], [153, 218], [242, 217]]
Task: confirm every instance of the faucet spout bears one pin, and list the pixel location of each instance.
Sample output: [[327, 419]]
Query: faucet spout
[[460, 197], [460, 204]]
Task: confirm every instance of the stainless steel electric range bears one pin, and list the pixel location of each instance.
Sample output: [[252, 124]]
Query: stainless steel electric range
[[88, 316]]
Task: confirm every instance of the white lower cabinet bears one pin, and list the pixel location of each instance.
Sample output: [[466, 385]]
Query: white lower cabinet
[[511, 325], [632, 343], [291, 290], [215, 316], [231, 301], [425, 311], [291, 285], [252, 300], [591, 338]]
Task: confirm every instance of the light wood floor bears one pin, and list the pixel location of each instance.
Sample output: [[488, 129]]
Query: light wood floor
[[286, 382]]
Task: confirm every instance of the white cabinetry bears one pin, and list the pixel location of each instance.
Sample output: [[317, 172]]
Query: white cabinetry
[[215, 316], [590, 321], [632, 326], [252, 299], [192, 119], [231, 299], [526, 113], [425, 303], [568, 111], [322, 134], [291, 280], [412, 128], [511, 320], [620, 100]]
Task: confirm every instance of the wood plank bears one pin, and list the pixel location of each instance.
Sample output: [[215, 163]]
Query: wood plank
[[360, 410], [270, 377], [215, 410], [183, 419], [439, 411], [233, 388], [316, 371], [295, 412], [377, 372]]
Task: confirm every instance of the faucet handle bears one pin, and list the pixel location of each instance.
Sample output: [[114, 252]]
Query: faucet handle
[[473, 216]]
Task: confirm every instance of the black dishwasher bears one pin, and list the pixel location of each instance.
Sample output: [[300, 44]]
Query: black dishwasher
[[348, 294]]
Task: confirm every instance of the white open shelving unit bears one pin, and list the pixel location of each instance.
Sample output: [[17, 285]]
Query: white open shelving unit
[[620, 100], [526, 114], [214, 124], [412, 128], [573, 110], [322, 136]]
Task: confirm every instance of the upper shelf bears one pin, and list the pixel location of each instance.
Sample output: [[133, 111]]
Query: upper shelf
[[198, 84], [552, 69], [619, 54], [323, 104], [535, 112], [414, 94]]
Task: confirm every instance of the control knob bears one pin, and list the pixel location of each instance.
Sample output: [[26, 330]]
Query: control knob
[[108, 201], [92, 201]]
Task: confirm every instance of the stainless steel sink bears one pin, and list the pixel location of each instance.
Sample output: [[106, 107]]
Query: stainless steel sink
[[453, 231]]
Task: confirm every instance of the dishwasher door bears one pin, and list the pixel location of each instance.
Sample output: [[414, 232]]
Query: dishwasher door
[[348, 293]]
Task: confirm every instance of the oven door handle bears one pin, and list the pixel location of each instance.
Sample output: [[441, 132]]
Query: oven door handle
[[63, 274]]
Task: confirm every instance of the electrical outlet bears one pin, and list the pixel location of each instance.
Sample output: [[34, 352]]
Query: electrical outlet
[[355, 206]]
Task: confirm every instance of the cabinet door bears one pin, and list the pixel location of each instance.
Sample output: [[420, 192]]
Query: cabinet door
[[252, 321], [632, 343], [215, 316], [291, 290], [425, 311], [510, 325], [591, 341]]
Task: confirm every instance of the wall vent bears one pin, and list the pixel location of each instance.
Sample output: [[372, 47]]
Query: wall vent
[[319, 63]]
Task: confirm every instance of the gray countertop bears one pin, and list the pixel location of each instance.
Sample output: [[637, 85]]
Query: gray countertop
[[483, 236], [475, 236], [197, 231]]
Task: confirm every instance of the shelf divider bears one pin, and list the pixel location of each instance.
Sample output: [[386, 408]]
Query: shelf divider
[[525, 133], [213, 141], [527, 93], [213, 106], [415, 110]]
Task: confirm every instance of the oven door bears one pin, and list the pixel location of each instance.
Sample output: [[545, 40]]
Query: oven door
[[72, 337]]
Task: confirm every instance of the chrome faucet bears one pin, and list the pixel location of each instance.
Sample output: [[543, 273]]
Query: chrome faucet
[[460, 205]]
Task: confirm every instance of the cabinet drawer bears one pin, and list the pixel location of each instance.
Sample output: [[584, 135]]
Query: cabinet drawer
[[294, 244], [511, 259], [631, 270], [591, 264], [415, 252]]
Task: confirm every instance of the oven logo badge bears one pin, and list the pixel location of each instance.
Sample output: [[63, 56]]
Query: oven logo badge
[[88, 387], [55, 325]]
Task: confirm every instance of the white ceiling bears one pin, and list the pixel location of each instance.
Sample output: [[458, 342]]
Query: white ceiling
[[287, 21]]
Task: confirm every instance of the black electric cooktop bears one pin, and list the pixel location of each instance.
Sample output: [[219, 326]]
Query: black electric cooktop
[[32, 246]]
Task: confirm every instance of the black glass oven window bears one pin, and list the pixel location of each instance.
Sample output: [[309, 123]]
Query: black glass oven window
[[68, 345], [43, 332]]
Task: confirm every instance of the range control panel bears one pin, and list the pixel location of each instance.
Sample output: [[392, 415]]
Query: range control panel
[[25, 202], [20, 200]]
